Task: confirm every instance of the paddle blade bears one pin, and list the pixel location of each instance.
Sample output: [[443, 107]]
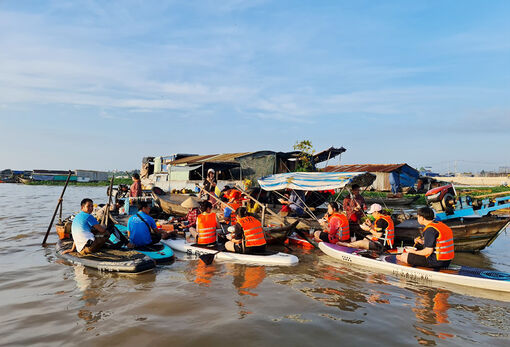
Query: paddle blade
[[207, 259]]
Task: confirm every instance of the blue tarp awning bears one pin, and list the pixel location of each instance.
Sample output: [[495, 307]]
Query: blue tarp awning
[[314, 181]]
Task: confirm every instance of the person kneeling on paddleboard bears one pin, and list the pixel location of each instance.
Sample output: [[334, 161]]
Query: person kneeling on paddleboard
[[336, 224], [88, 235], [248, 235], [437, 241], [141, 228], [382, 232], [207, 223]]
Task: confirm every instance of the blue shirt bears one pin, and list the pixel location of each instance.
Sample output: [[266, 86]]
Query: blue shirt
[[139, 234], [81, 229]]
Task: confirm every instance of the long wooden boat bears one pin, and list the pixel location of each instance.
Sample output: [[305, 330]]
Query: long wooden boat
[[469, 234], [25, 180], [171, 203], [403, 201]]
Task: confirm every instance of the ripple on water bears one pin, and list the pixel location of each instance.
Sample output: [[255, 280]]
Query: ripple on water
[[319, 301]]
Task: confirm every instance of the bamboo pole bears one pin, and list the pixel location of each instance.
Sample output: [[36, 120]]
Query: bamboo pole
[[57, 207]]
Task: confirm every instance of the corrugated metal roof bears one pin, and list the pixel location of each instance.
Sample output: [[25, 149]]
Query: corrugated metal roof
[[364, 168], [211, 158]]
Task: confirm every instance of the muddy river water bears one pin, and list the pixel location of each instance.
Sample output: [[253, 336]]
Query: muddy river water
[[44, 301]]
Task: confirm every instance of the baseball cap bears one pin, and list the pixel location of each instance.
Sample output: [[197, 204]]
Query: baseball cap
[[374, 208]]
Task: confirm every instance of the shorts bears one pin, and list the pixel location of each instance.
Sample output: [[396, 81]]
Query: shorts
[[423, 261], [324, 236], [249, 250], [375, 245], [93, 246]]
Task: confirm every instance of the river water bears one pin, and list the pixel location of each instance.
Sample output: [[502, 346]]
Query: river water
[[320, 301]]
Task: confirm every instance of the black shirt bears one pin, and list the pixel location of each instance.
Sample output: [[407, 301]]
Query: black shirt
[[430, 236]]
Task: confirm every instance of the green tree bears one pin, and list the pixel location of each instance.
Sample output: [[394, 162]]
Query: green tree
[[305, 162]]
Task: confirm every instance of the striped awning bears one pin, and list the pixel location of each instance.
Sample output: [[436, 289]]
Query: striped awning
[[313, 181]]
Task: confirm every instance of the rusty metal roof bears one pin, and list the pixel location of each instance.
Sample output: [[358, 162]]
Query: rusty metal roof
[[364, 168], [210, 158]]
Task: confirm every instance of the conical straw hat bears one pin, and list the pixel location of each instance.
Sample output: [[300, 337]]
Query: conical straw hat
[[189, 203]]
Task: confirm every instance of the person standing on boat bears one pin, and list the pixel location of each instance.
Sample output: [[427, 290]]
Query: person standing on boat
[[437, 241], [142, 229], [135, 190], [336, 226], [248, 235], [207, 223], [88, 235], [381, 232]]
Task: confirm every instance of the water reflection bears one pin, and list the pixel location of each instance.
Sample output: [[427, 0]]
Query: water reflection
[[202, 273], [247, 278], [97, 286]]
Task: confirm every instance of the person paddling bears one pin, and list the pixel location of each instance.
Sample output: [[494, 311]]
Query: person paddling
[[336, 226], [88, 235], [437, 241], [382, 232], [248, 235]]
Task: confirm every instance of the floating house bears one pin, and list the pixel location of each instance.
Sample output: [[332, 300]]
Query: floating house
[[389, 177], [182, 171]]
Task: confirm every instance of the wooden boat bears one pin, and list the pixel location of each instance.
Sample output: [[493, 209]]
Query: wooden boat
[[24, 180], [391, 201], [469, 234], [170, 203]]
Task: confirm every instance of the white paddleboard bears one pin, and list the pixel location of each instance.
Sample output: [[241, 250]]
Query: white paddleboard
[[455, 274], [272, 258]]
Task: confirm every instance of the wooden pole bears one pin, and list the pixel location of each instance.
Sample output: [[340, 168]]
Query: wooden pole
[[57, 207], [107, 212], [216, 198]]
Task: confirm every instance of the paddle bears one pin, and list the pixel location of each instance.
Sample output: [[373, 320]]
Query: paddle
[[208, 258], [56, 208]]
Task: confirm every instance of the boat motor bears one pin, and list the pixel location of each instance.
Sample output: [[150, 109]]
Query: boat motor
[[442, 199]]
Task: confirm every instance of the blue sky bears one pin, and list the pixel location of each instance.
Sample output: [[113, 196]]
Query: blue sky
[[100, 84]]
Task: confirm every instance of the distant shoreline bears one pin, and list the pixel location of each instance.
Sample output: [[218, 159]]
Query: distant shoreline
[[116, 181]]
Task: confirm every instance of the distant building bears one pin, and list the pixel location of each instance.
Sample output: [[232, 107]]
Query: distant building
[[388, 176]]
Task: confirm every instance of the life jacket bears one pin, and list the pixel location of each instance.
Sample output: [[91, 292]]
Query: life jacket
[[253, 232], [232, 220], [389, 235], [444, 243], [206, 228], [343, 233]]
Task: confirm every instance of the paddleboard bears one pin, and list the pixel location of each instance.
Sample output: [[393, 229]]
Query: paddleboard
[[454, 274], [113, 260], [159, 252], [267, 258]]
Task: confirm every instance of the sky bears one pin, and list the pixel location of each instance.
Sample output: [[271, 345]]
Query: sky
[[101, 84]]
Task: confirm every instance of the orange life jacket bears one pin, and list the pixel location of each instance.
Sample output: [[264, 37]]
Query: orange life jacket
[[232, 220], [343, 232], [206, 228], [444, 243], [390, 229], [253, 232]]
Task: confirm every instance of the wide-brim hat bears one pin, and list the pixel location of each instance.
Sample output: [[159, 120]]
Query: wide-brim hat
[[189, 203]]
